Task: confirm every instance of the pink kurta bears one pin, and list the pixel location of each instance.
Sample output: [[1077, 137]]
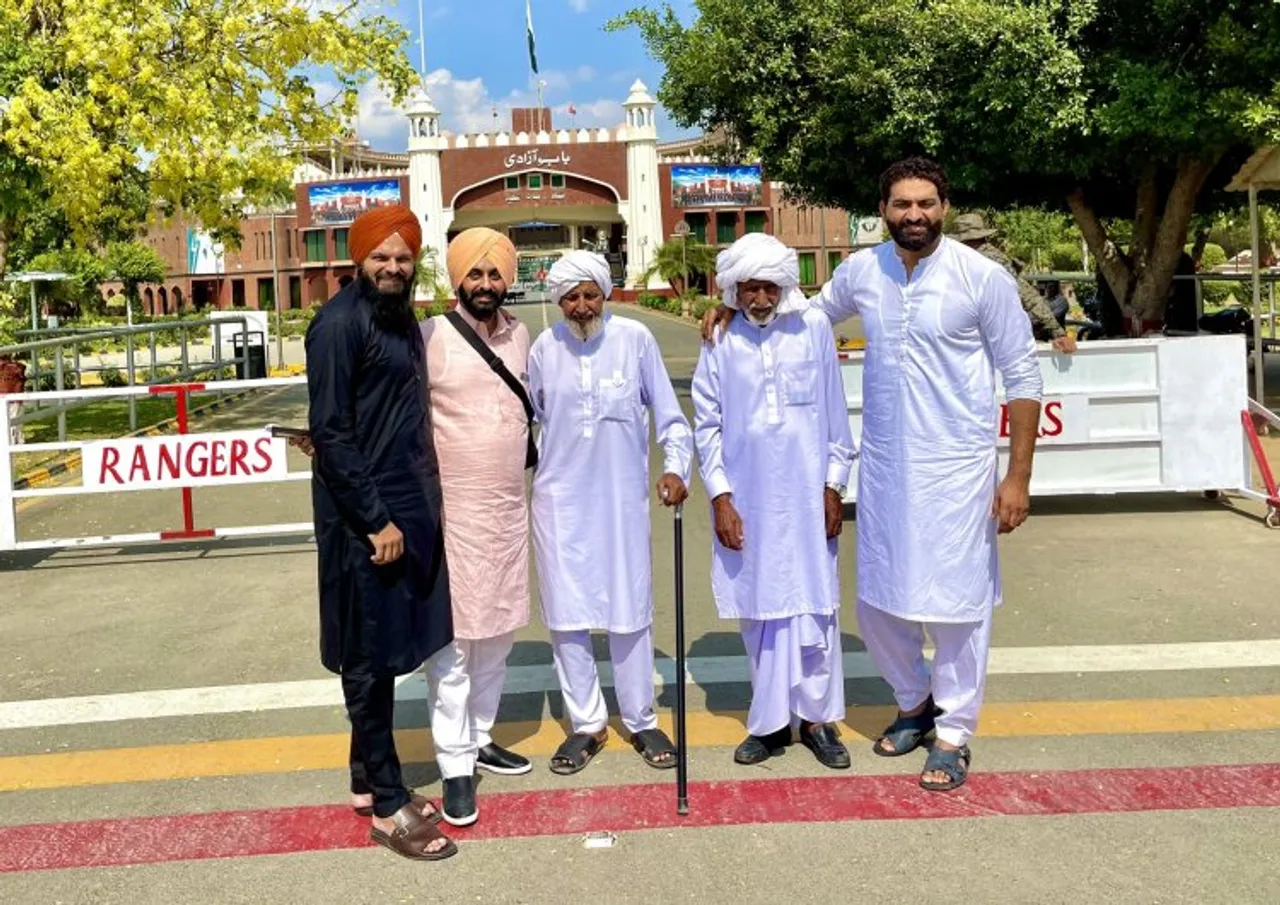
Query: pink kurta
[[480, 436]]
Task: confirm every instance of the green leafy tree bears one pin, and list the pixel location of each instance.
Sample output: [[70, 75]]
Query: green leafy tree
[[119, 109], [679, 262], [1133, 109], [133, 264], [86, 272]]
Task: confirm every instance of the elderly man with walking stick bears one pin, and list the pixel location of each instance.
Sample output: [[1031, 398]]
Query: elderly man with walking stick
[[595, 378]]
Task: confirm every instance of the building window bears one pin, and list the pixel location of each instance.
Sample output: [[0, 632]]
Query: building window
[[513, 183], [726, 228], [557, 180], [288, 243], [697, 226], [833, 261], [808, 269], [535, 180], [266, 295], [315, 245], [295, 292], [237, 293], [340, 250], [755, 221]]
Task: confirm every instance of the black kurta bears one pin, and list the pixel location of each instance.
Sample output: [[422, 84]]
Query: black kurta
[[374, 463]]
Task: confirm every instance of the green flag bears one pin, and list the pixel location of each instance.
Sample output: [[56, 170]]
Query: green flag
[[528, 21]]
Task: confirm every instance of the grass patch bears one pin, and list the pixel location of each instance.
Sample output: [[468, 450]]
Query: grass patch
[[109, 418]]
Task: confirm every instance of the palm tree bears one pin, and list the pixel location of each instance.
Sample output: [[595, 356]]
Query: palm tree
[[676, 260]]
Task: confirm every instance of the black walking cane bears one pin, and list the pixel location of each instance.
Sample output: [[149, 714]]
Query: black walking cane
[[682, 746]]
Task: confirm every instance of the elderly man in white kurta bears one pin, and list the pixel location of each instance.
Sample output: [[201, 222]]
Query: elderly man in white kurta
[[594, 379], [775, 452], [940, 319]]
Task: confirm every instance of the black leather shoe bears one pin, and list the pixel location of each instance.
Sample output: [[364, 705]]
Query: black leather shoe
[[824, 741], [500, 760], [459, 801], [756, 749]]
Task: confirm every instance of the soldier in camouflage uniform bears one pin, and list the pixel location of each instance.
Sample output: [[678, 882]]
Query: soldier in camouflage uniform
[[972, 230]]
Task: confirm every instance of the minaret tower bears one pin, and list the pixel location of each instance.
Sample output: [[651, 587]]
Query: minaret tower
[[644, 220]]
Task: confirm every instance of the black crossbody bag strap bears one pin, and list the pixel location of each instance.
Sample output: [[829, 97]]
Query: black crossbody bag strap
[[499, 368]]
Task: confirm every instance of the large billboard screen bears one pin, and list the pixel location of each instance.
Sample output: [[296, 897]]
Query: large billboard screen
[[707, 185], [342, 202]]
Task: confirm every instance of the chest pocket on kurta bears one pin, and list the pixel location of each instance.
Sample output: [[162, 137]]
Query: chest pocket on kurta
[[799, 380], [617, 398]]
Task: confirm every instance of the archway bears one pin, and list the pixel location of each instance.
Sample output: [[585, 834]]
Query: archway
[[163, 295], [149, 301]]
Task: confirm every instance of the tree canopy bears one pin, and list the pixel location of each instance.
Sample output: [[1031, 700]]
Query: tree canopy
[[117, 109], [1111, 108]]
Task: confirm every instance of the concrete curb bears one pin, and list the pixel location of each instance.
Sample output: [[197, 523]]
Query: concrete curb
[[43, 476]]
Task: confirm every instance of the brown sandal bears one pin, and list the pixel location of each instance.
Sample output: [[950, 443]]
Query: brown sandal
[[411, 837], [420, 804]]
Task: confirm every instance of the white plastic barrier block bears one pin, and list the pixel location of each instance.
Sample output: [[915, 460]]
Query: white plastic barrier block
[[1127, 416]]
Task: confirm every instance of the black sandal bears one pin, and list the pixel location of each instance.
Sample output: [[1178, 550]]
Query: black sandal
[[576, 752], [652, 745], [907, 733], [954, 764]]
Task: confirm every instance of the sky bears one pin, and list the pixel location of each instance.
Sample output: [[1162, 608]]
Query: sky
[[477, 59]]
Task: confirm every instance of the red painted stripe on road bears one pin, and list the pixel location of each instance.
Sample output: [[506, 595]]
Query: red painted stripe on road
[[235, 834]]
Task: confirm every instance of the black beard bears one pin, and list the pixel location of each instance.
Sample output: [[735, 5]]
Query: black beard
[[931, 234], [467, 301], [392, 311]]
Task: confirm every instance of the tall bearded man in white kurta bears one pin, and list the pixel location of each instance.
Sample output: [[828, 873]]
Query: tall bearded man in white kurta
[[940, 319], [775, 451], [594, 378]]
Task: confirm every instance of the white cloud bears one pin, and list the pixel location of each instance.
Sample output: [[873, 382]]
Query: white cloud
[[579, 6]]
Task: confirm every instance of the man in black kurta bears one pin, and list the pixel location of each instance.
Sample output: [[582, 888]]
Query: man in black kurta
[[384, 586]]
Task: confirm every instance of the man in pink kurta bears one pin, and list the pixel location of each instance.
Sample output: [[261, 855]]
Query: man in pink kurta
[[481, 435]]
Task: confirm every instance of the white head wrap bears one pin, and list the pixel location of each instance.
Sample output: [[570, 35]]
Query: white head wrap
[[758, 256], [579, 267]]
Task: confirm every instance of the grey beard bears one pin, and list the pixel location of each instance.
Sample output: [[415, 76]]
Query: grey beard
[[585, 330], [761, 321]]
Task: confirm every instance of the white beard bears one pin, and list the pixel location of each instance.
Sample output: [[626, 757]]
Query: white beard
[[761, 321], [585, 331]]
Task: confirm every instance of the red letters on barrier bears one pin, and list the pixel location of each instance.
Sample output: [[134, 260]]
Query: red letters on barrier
[[183, 460], [1051, 424]]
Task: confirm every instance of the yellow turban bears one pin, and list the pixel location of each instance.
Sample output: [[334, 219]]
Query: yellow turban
[[472, 246]]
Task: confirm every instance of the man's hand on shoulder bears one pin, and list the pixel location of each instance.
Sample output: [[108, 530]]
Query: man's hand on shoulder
[[720, 316]]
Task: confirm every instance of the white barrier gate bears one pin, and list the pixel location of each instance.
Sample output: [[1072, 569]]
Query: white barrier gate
[[1128, 416], [179, 460]]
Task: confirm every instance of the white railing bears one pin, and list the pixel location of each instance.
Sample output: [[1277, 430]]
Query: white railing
[[182, 393]]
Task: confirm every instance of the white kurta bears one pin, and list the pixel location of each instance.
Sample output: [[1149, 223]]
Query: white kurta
[[772, 428], [591, 488], [926, 537]]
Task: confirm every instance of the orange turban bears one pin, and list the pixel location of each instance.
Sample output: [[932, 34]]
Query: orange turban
[[480, 243], [374, 227]]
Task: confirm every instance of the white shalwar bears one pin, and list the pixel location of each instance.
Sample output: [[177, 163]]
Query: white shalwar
[[590, 509], [465, 683], [928, 468], [772, 428]]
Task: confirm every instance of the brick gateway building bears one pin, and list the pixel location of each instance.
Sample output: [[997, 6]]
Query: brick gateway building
[[618, 191]]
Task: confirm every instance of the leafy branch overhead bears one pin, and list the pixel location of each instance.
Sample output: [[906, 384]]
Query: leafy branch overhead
[[202, 103], [1140, 109]]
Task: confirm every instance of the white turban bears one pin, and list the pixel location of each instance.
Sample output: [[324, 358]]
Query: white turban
[[758, 256], [579, 267]]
